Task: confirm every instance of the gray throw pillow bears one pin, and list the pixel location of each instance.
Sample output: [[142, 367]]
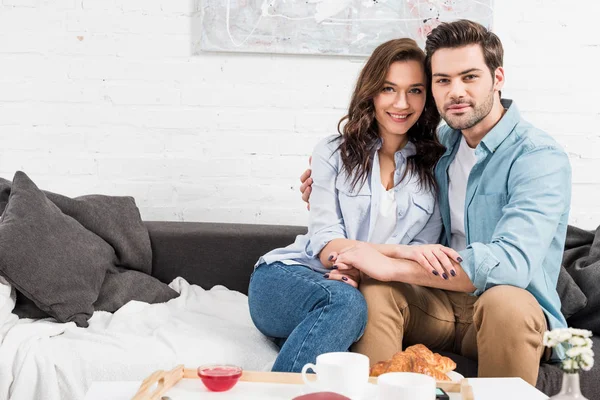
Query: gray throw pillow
[[123, 285], [582, 261], [571, 297], [50, 257]]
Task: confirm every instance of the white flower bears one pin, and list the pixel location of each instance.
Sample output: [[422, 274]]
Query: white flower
[[579, 351], [578, 341], [549, 340], [579, 354], [580, 332], [587, 362], [563, 335]]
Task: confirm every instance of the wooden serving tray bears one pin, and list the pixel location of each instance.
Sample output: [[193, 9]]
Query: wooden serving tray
[[159, 382]]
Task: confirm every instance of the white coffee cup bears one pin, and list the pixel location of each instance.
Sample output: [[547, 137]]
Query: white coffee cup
[[343, 373], [405, 386]]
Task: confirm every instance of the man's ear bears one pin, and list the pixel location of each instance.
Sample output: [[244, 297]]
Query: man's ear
[[499, 79]]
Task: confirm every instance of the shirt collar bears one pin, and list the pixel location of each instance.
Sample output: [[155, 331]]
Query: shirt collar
[[408, 150], [503, 128], [496, 135]]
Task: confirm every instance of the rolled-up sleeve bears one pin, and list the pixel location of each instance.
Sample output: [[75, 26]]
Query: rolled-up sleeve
[[538, 197], [325, 217]]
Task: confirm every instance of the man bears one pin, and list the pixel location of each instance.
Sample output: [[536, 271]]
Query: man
[[504, 195]]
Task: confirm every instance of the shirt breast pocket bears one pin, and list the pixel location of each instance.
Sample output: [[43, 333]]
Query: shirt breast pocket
[[354, 201], [421, 208], [486, 209]]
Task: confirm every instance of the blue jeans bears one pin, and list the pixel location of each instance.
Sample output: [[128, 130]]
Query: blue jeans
[[309, 314]]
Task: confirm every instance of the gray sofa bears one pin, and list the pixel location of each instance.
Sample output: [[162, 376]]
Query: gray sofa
[[211, 254]]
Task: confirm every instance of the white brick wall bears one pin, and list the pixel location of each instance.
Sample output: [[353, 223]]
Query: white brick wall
[[110, 96]]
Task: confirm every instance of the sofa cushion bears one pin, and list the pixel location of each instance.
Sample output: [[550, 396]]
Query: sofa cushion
[[571, 297], [122, 285], [581, 259], [49, 257]]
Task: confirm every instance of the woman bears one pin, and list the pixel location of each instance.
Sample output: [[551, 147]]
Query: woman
[[372, 183]]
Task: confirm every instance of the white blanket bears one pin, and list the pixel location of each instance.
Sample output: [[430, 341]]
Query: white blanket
[[42, 359]]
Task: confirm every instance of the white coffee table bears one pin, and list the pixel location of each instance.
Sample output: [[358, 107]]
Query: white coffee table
[[483, 389]]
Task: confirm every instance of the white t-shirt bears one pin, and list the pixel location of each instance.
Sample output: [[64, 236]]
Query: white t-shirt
[[458, 174], [386, 217]]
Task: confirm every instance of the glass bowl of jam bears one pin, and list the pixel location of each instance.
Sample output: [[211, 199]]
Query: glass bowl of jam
[[219, 377]]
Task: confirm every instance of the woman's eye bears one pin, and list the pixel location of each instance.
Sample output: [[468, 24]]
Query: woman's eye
[[416, 91], [387, 89]]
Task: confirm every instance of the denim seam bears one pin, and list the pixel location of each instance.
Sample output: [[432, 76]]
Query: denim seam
[[283, 266]]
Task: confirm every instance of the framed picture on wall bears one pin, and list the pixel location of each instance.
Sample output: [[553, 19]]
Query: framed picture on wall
[[330, 27]]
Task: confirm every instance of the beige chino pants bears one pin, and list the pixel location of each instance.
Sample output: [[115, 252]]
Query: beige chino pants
[[502, 329]]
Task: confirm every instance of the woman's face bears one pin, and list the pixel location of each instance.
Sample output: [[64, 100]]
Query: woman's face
[[401, 100]]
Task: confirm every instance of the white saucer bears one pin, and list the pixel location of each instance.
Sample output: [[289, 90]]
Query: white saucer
[[371, 390], [369, 394], [455, 376]]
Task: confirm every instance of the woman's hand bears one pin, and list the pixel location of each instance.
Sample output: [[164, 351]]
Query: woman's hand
[[349, 275], [435, 258]]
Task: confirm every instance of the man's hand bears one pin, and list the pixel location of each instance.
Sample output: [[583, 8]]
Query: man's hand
[[368, 260], [305, 187], [371, 262]]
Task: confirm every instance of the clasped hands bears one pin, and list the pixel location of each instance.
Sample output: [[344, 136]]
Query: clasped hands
[[377, 261]]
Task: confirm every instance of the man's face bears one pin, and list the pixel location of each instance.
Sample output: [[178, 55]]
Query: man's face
[[462, 85]]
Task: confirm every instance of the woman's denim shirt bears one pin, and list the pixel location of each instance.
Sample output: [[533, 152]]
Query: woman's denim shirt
[[338, 210]]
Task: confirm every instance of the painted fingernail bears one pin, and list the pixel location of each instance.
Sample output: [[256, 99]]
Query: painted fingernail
[[326, 276], [334, 267], [460, 259], [435, 272], [444, 276], [344, 278], [453, 272], [330, 257]]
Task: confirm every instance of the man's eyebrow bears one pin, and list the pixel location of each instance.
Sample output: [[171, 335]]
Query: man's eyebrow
[[467, 71]]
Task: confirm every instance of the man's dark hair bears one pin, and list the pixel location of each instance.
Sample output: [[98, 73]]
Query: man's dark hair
[[463, 33]]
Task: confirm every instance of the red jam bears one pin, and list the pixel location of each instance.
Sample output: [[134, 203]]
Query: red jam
[[219, 378]]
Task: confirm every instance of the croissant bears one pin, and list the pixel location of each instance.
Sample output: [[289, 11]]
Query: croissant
[[380, 368], [441, 363], [417, 358]]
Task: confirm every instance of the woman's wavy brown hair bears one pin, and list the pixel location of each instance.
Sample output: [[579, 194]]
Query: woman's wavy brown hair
[[360, 134]]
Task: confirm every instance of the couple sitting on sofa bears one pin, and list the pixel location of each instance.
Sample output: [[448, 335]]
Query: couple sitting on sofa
[[493, 190]]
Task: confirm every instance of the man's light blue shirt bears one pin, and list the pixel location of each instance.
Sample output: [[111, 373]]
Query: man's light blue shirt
[[516, 209], [340, 211]]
